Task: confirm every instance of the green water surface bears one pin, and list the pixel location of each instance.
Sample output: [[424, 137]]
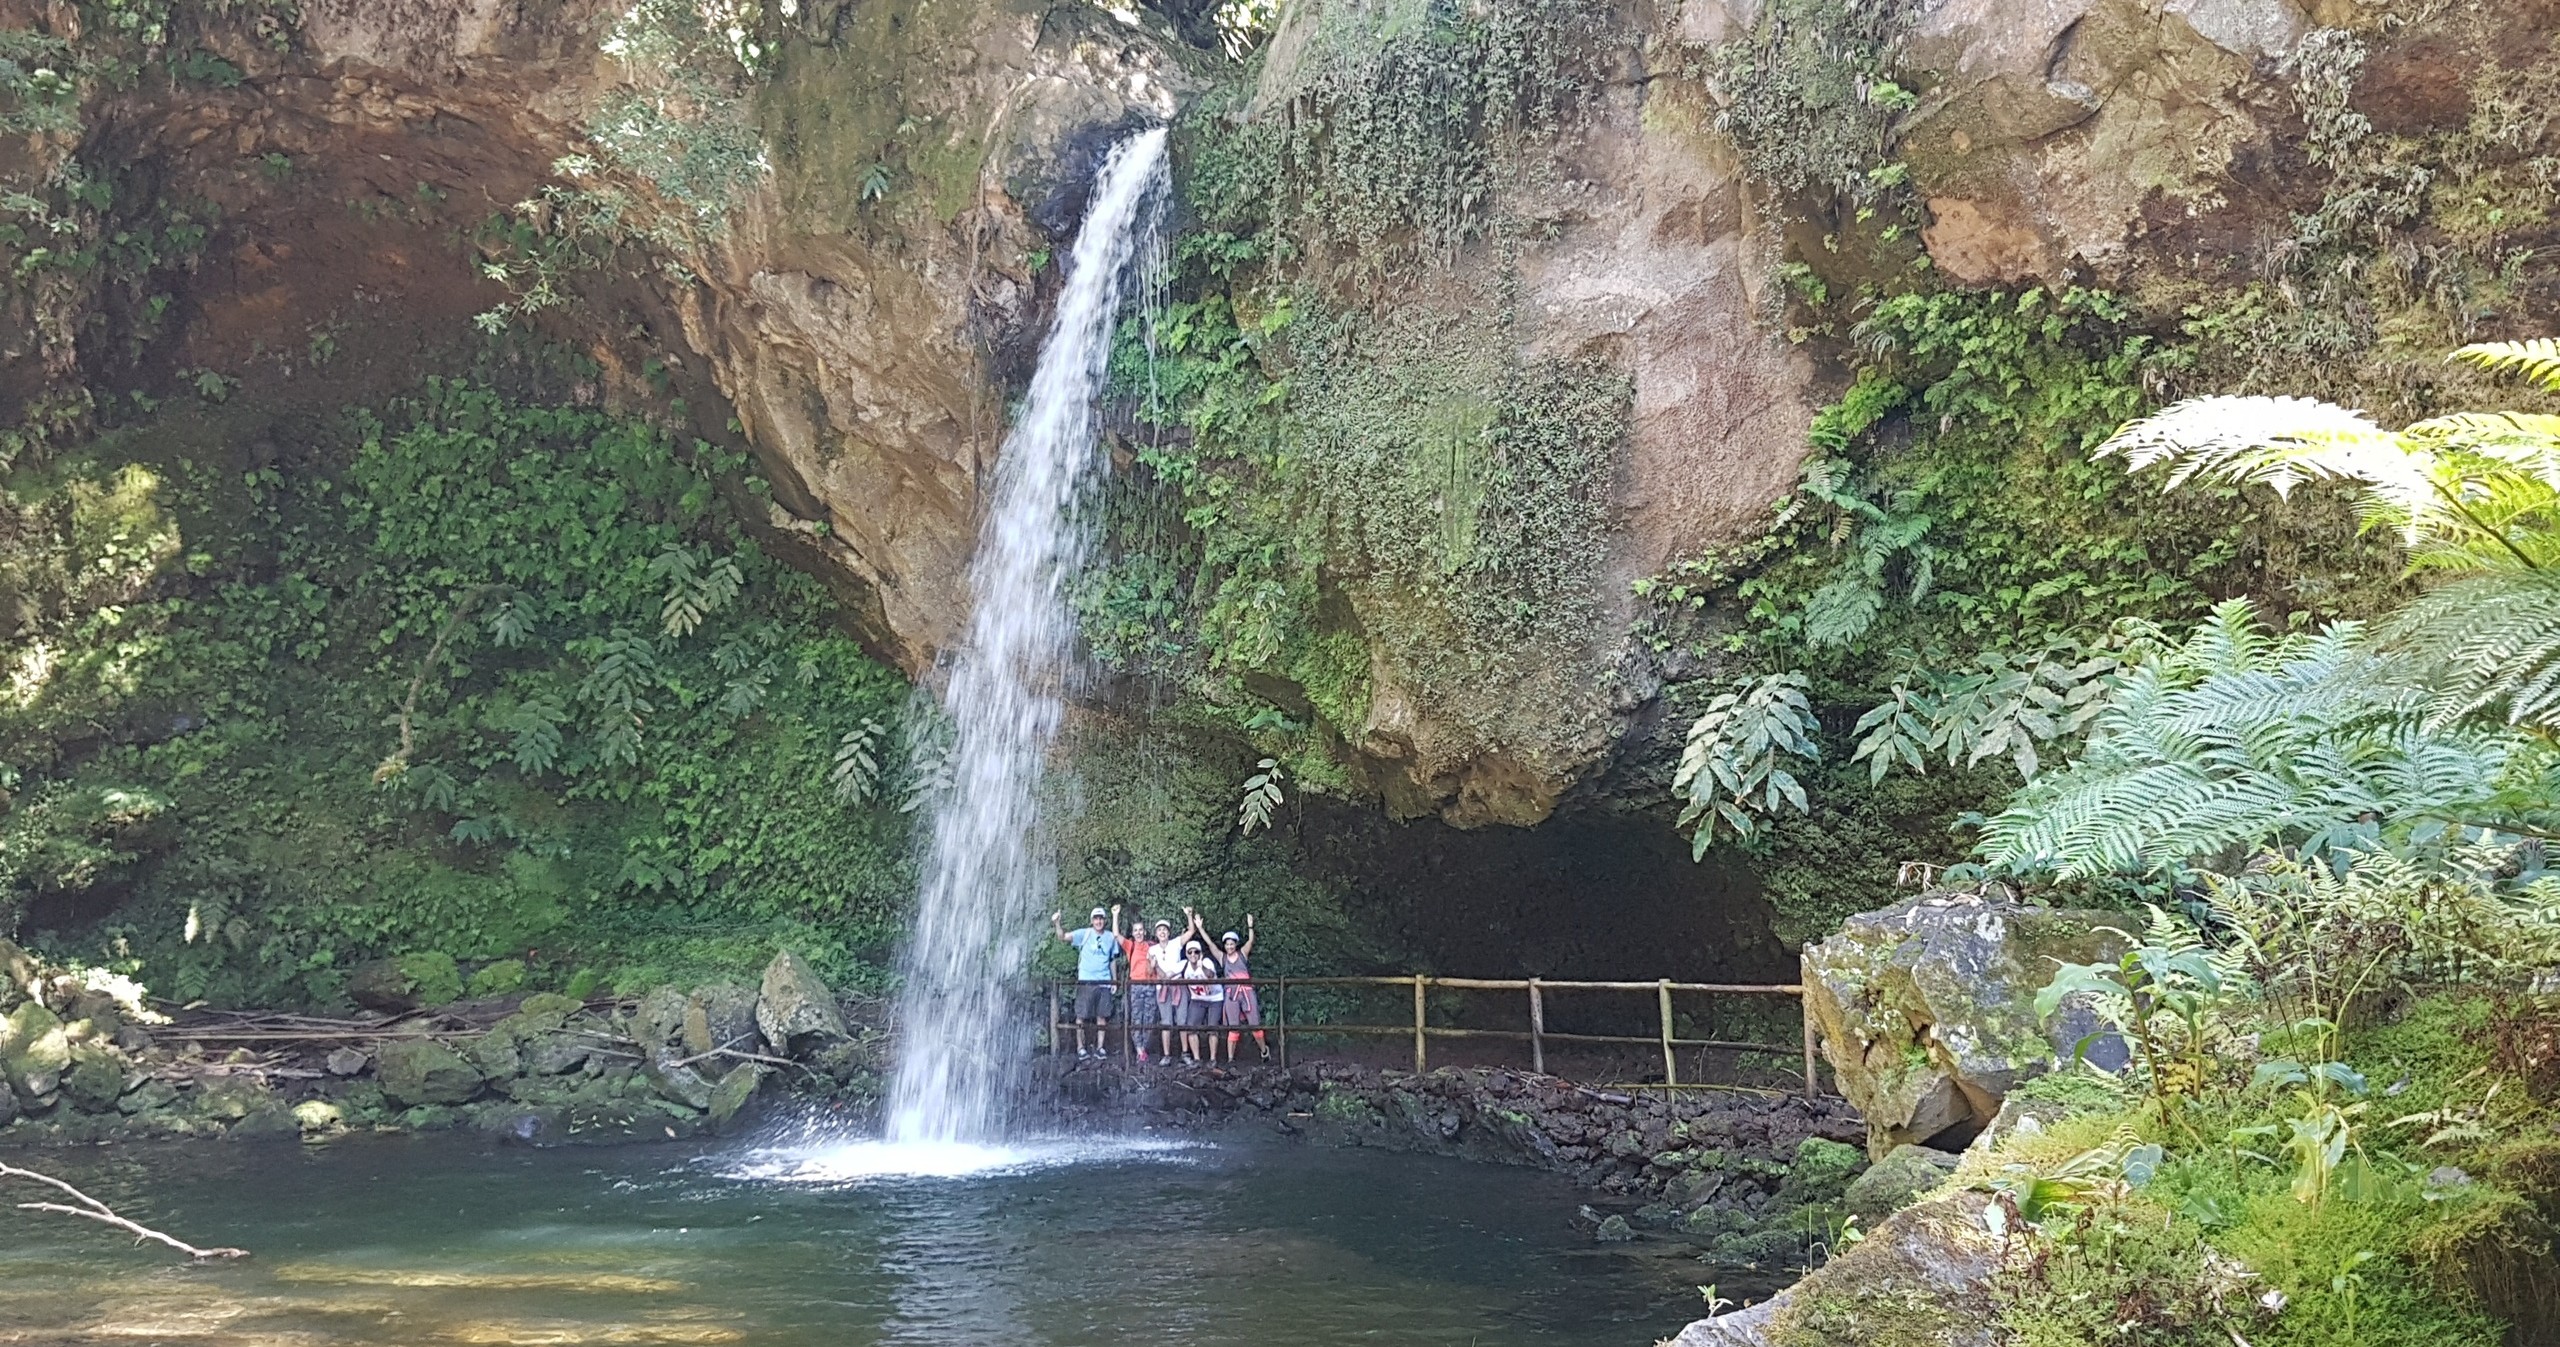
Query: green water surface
[[431, 1240]]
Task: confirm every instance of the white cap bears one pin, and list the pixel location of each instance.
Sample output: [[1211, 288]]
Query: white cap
[[1099, 912]]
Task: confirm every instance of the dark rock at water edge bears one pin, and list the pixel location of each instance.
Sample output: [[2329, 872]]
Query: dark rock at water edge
[[424, 1071], [1748, 1176]]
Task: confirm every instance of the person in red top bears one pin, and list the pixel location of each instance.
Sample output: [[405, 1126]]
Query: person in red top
[[1142, 986]]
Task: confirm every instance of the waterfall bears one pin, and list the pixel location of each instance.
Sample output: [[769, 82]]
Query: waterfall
[[986, 886]]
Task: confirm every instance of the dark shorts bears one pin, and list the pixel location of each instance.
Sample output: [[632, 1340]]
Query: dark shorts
[[1093, 1001], [1169, 1003], [1202, 1014]]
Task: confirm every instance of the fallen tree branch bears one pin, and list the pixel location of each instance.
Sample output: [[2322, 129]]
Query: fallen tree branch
[[92, 1209]]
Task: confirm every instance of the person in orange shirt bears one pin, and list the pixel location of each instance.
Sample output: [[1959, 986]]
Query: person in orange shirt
[[1142, 985]]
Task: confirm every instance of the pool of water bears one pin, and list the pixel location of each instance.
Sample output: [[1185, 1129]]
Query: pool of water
[[403, 1242]]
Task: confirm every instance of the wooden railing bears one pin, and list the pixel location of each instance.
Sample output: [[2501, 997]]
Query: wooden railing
[[1275, 995]]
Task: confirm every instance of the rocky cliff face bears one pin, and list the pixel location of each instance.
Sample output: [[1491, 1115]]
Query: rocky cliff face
[[855, 315], [866, 303]]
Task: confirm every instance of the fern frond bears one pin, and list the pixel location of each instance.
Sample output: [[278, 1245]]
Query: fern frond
[[2488, 644], [2239, 740], [2279, 442], [2537, 359]]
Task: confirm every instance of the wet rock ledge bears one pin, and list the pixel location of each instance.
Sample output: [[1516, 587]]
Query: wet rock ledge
[[1750, 1177], [84, 1059]]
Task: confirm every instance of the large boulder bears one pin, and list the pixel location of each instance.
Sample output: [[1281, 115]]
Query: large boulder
[[424, 1071], [721, 1015], [34, 1052], [96, 1078], [794, 1008], [1927, 1010]]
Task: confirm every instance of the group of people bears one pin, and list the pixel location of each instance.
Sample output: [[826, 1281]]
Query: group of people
[[1187, 986]]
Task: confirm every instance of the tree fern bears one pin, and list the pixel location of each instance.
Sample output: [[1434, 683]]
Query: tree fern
[[2538, 359], [2471, 491], [2486, 645], [1733, 770], [2238, 740]]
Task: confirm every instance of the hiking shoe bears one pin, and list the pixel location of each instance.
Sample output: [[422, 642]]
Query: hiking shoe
[[1084, 1054]]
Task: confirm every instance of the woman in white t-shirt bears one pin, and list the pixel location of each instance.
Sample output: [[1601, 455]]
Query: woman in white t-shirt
[[1166, 954], [1207, 1001]]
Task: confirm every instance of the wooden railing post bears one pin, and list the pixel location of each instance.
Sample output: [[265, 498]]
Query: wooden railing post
[[1812, 1087], [1280, 1018], [1054, 1048], [1421, 1055], [1537, 1029], [1670, 1060]]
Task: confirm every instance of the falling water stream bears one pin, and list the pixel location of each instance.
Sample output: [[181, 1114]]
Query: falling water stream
[[986, 880]]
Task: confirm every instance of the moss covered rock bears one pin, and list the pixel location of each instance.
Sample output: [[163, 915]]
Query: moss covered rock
[[1917, 1281], [420, 1071], [1896, 1181], [729, 1098], [96, 1078], [34, 1052], [1927, 1009]]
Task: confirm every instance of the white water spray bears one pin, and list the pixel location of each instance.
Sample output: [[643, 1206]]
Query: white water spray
[[985, 881]]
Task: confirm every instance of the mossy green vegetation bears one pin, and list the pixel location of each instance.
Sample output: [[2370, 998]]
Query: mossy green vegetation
[[2187, 1226], [1335, 486], [468, 676]]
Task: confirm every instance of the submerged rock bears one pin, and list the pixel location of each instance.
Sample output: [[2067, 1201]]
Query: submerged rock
[[319, 1117], [422, 1071], [1927, 1010]]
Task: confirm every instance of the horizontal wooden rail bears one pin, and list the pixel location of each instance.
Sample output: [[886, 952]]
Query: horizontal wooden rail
[[1421, 1030], [1523, 984]]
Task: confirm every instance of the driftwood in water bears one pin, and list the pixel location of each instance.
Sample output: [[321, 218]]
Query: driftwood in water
[[92, 1209]]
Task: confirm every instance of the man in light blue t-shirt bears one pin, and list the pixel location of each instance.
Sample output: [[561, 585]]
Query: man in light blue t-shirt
[[1097, 951]]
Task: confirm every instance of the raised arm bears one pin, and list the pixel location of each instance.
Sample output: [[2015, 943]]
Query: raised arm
[[1118, 941], [1061, 931], [1248, 935]]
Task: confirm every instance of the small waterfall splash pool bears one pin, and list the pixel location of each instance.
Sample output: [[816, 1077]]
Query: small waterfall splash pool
[[1082, 1242]]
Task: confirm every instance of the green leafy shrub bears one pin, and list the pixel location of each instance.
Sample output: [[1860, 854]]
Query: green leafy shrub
[[433, 976], [604, 721]]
